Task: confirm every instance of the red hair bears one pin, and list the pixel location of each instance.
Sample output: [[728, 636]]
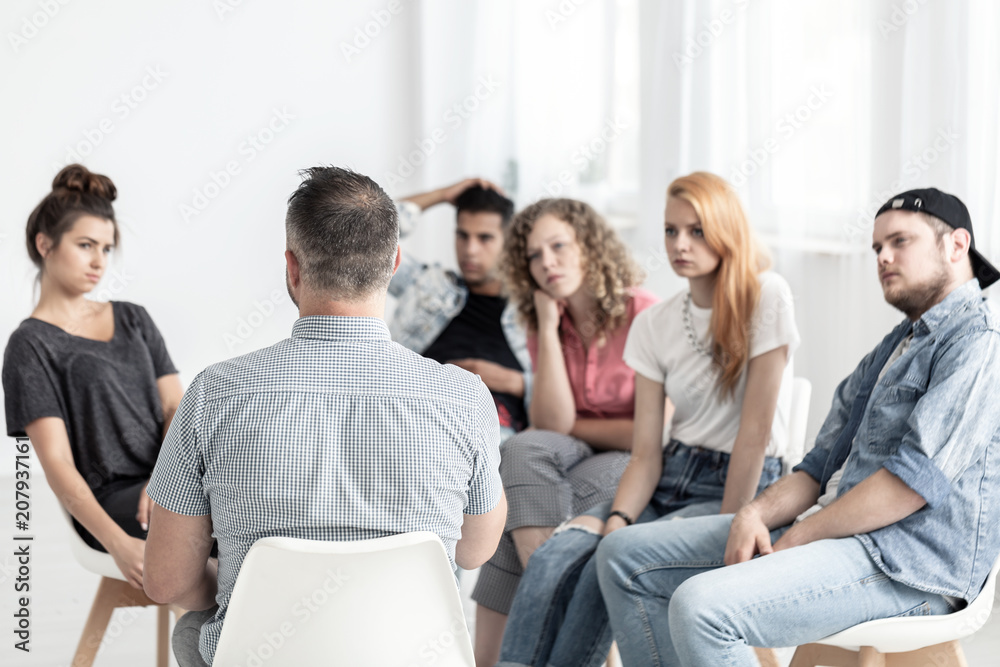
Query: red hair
[[737, 285]]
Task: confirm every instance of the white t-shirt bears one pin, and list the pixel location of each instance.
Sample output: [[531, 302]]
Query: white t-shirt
[[658, 348]]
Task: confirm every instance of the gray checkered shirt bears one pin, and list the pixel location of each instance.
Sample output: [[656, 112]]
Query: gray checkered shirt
[[336, 433]]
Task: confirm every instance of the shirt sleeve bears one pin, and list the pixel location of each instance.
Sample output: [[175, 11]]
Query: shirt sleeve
[[955, 420], [815, 461], [176, 482], [29, 386], [485, 487], [773, 323], [162, 363], [640, 347]]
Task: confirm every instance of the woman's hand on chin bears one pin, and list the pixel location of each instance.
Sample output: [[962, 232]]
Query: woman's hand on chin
[[548, 310]]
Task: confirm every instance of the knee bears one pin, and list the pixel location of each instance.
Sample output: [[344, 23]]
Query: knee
[[694, 608], [584, 522], [687, 603], [612, 571], [523, 449], [564, 550]]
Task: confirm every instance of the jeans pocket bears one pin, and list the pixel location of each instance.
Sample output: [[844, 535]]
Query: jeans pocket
[[922, 609]]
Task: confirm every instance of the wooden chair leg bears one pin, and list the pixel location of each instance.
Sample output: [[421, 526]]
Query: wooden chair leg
[[948, 654], [766, 657], [97, 622], [871, 658], [113, 594], [162, 636], [811, 655]]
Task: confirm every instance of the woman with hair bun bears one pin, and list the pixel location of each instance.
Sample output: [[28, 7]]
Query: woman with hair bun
[[91, 384], [576, 287], [722, 352]]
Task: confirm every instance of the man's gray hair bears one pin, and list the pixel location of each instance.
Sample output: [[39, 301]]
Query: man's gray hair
[[343, 229]]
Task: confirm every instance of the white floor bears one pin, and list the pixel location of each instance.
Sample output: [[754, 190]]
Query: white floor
[[61, 593]]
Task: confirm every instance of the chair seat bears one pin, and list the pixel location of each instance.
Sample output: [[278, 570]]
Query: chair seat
[[95, 561], [900, 635], [911, 633], [90, 559]]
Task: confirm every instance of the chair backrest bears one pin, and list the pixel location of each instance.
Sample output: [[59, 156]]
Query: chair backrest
[[798, 419], [387, 601]]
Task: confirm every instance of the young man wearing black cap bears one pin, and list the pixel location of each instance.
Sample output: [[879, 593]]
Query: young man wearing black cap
[[892, 513]]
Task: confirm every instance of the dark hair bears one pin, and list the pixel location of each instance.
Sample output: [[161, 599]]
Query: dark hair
[[344, 232], [76, 192], [478, 199]]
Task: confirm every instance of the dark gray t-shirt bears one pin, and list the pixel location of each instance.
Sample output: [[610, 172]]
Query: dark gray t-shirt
[[105, 392]]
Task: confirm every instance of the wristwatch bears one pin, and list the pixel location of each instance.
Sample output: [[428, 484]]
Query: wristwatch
[[625, 517]]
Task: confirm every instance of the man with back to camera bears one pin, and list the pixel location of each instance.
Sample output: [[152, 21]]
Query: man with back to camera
[[336, 417], [905, 462], [462, 319]]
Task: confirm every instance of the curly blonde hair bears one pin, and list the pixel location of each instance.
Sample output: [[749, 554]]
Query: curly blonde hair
[[609, 270]]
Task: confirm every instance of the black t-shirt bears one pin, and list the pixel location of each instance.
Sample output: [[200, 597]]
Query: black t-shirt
[[105, 392], [476, 333]]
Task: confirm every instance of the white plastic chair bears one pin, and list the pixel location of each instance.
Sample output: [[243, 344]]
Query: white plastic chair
[[113, 592], [385, 601], [904, 642]]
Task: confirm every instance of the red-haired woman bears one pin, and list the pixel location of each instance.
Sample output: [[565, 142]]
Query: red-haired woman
[[90, 383], [722, 352]]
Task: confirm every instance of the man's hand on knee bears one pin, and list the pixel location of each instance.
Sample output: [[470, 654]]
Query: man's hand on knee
[[748, 536]]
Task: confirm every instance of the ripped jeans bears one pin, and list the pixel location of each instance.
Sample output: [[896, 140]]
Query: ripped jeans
[[558, 617]]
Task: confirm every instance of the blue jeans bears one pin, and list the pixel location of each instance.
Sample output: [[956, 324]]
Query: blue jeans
[[558, 617], [672, 602]]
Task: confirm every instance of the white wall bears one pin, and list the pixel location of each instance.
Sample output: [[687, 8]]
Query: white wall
[[255, 69]]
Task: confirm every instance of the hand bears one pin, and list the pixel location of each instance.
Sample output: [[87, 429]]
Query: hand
[[748, 536], [494, 376], [451, 193], [128, 554], [548, 311], [145, 507]]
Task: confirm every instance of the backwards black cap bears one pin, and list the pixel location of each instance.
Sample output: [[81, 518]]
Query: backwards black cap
[[949, 209]]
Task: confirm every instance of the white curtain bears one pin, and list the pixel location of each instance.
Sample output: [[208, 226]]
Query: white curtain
[[819, 112]]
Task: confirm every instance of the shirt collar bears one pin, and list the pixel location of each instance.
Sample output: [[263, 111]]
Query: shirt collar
[[329, 327], [959, 297]]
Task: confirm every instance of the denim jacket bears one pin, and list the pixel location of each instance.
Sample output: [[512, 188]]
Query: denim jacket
[[429, 297], [933, 422]]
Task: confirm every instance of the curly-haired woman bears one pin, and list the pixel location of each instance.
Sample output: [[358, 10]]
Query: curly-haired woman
[[575, 286], [722, 351]]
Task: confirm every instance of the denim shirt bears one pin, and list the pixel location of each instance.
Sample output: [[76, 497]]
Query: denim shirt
[[429, 297], [933, 422]]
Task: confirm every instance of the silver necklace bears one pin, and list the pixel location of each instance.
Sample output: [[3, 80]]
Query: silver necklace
[[689, 328]]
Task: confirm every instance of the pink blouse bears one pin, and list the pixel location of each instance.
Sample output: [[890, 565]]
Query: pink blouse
[[603, 384]]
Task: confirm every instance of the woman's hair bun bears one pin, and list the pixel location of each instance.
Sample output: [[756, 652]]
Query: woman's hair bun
[[76, 177]]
